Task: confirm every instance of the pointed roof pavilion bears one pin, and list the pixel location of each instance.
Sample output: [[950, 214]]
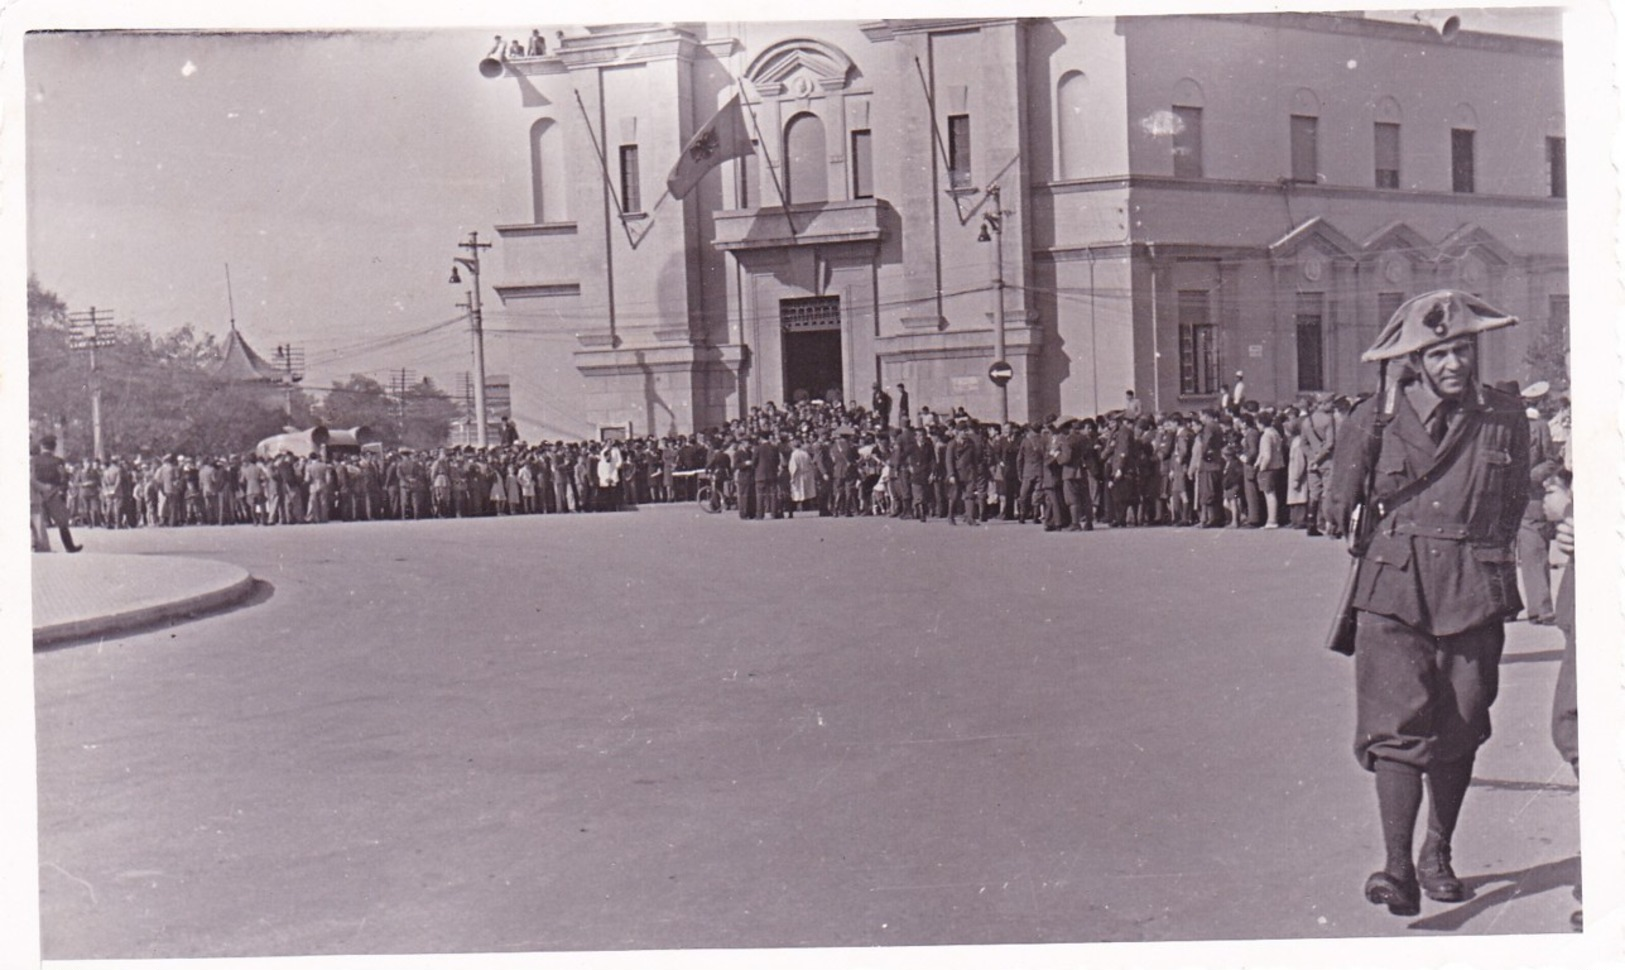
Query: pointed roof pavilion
[[239, 363]]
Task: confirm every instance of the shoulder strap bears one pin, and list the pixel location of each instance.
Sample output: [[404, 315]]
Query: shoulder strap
[[1420, 483]]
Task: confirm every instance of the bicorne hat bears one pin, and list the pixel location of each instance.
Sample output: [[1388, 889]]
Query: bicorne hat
[[1432, 318]]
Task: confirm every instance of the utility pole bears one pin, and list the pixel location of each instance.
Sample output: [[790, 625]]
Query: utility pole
[[468, 406], [399, 382], [993, 230], [292, 361], [89, 331], [476, 325]]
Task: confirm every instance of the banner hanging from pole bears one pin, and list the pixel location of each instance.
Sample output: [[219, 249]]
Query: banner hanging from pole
[[722, 138]]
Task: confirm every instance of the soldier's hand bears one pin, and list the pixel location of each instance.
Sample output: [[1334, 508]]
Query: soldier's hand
[[1564, 537]]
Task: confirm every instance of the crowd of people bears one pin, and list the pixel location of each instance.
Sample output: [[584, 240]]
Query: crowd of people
[[1241, 465], [456, 482]]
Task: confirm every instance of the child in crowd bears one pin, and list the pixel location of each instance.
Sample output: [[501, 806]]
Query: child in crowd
[[1231, 480]]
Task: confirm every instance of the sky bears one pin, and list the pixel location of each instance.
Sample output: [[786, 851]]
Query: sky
[[334, 172]]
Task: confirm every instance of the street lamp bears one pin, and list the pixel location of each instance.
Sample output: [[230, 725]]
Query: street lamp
[[993, 231], [472, 264]]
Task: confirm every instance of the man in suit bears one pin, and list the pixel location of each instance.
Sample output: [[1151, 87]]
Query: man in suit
[[1030, 452], [1253, 499], [1534, 532], [1447, 462], [881, 404], [1057, 457], [1207, 454], [48, 482], [744, 466], [1123, 470], [899, 458], [1077, 474], [1002, 452], [922, 470], [964, 474], [766, 474]]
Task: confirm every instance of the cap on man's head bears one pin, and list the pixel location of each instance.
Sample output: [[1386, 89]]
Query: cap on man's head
[[1433, 318]]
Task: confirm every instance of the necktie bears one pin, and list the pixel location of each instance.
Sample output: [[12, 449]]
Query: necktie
[[1440, 422]]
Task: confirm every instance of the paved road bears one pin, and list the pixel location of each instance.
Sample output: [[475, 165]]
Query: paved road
[[662, 729]]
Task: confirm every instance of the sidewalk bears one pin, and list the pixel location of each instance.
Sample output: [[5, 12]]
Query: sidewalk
[[95, 594]]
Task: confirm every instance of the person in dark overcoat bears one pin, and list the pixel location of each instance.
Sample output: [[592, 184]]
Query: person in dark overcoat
[[768, 460], [1030, 452], [1437, 578], [965, 473], [1080, 444]]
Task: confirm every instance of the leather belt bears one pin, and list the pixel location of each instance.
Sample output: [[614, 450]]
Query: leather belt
[[1442, 531]]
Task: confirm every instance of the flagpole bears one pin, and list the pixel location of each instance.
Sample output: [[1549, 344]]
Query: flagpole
[[939, 149], [603, 167], [664, 195], [768, 156]]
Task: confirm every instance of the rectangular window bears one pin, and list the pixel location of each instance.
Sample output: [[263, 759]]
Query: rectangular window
[[1187, 142], [1557, 164], [1305, 149], [1311, 342], [1461, 160], [748, 176], [959, 151], [631, 195], [1387, 146], [863, 166], [1198, 345], [1387, 306]]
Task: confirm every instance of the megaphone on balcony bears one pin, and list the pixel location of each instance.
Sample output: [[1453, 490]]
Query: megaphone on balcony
[[1445, 25], [491, 67]]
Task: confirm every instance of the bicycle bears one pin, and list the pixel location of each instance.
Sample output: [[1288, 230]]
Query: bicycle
[[709, 498], [714, 496]]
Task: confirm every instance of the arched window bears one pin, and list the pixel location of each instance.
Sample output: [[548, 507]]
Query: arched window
[[1071, 103], [547, 178], [806, 160]]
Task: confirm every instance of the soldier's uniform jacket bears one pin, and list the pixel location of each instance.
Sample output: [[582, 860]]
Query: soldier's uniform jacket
[[1030, 456], [1442, 561], [965, 460]]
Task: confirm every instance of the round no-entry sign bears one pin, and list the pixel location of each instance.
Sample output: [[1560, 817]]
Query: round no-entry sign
[[1001, 372]]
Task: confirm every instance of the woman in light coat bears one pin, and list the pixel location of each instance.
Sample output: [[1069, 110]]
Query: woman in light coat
[[1297, 478], [803, 476]]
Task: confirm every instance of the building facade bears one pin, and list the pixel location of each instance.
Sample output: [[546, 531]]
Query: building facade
[[1158, 201]]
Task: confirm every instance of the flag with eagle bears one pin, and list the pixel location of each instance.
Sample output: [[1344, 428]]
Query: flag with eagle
[[723, 137]]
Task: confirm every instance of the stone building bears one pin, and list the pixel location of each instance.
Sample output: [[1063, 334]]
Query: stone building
[[1159, 201]]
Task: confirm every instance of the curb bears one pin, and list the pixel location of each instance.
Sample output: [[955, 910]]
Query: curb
[[143, 616]]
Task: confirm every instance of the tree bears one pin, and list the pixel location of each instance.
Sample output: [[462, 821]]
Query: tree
[[158, 395], [1548, 353], [58, 383], [360, 400], [429, 413]]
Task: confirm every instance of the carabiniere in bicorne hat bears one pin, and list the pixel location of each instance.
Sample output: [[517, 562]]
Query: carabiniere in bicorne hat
[[1433, 318]]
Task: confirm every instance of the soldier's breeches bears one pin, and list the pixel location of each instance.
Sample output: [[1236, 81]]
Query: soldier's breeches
[[1421, 698]]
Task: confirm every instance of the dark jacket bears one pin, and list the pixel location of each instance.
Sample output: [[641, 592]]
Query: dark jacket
[[767, 463], [1443, 561], [965, 460]]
